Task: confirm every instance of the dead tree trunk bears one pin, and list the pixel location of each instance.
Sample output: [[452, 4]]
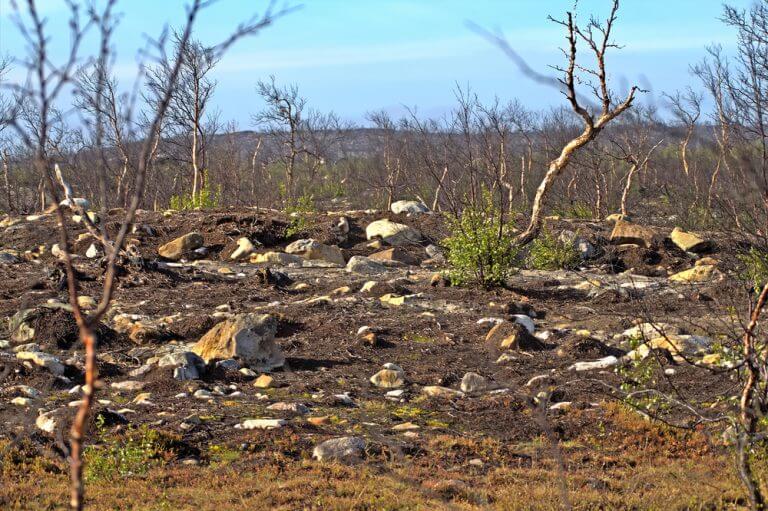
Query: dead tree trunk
[[593, 124]]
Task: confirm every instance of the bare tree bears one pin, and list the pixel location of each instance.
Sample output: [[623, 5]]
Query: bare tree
[[597, 37], [185, 124], [282, 120]]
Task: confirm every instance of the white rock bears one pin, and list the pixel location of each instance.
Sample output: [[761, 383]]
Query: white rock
[[294, 408], [494, 321], [392, 232], [46, 422], [92, 252], [263, 424], [43, 360], [364, 265], [602, 363], [526, 321], [128, 385], [473, 382], [344, 449], [410, 207], [244, 248]]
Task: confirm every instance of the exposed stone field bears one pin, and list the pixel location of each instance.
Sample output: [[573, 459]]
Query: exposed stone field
[[343, 349]]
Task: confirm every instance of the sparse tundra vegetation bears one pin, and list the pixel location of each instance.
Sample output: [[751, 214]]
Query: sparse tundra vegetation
[[498, 308]]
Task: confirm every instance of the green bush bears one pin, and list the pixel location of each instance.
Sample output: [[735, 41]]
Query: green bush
[[481, 246], [755, 267], [207, 198], [301, 211], [131, 453], [578, 210], [549, 252]]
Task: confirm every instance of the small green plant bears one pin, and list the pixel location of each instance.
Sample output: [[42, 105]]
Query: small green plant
[[300, 211], [131, 453], [579, 210], [481, 246], [755, 267], [550, 252], [208, 197]]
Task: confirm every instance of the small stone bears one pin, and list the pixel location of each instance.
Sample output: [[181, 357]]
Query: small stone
[[406, 426], [41, 359], [441, 392], [370, 338], [86, 302], [513, 336], [293, 408], [689, 242], [319, 421], [128, 385], [388, 379], [277, 258], [472, 383], [344, 449], [341, 291], [409, 207], [244, 248], [21, 401], [602, 363], [46, 422], [9, 257], [264, 381], [313, 250], [394, 255], [364, 265], [263, 424], [697, 274], [392, 232], [92, 252], [182, 246]]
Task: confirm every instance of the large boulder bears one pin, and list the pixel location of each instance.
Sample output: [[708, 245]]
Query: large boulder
[[392, 232], [314, 250], [627, 233], [249, 338], [410, 207], [178, 248]]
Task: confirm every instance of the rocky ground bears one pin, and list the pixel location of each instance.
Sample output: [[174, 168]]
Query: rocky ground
[[336, 369]]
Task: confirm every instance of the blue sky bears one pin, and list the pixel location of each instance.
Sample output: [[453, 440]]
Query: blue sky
[[353, 56]]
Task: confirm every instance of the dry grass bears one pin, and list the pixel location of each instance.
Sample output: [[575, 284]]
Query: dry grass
[[632, 464]]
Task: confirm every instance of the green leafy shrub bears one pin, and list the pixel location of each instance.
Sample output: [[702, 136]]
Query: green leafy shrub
[[549, 252], [755, 267], [579, 210], [301, 211], [481, 246], [208, 197], [131, 453]]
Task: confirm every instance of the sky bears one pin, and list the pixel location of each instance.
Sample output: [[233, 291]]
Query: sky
[[356, 56]]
